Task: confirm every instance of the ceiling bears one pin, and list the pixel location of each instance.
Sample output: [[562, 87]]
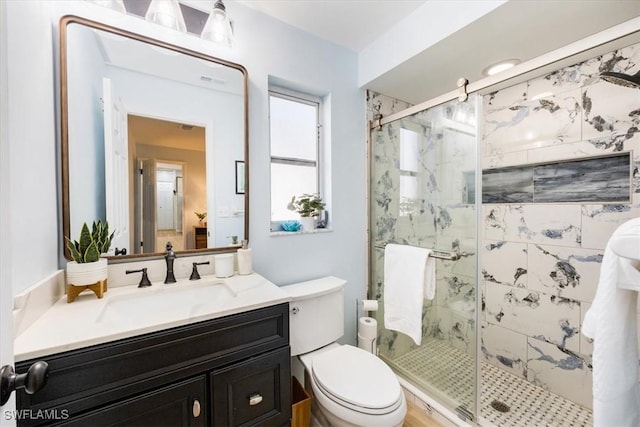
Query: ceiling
[[522, 29], [150, 131], [353, 24]]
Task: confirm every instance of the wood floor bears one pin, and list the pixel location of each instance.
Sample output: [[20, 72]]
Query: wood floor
[[417, 418]]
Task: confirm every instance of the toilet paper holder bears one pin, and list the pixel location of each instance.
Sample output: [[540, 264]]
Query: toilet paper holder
[[362, 308]]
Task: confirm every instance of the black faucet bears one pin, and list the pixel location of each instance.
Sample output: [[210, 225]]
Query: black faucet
[[194, 273], [144, 282], [169, 257]]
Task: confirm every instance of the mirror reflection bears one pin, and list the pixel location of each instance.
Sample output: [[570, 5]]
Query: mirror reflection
[[151, 138]]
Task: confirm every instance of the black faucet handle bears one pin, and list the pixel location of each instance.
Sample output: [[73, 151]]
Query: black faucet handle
[[144, 281], [122, 251], [194, 273]]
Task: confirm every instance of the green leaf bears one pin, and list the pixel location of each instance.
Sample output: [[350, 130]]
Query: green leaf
[[92, 254], [72, 246], [85, 239]]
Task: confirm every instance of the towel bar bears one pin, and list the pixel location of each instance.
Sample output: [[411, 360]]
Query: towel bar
[[448, 255]]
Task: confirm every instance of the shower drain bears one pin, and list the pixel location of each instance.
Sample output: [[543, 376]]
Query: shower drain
[[500, 406]]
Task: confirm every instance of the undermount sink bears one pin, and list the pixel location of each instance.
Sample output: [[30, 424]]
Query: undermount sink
[[166, 301]]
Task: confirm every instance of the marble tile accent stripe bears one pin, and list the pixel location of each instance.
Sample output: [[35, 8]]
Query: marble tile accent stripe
[[529, 405], [604, 179], [508, 185], [601, 179]]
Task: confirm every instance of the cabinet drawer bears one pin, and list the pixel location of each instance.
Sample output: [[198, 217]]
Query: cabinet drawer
[[253, 392], [182, 404]]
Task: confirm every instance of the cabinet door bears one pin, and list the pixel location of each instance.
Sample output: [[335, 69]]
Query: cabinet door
[[180, 404], [254, 392]]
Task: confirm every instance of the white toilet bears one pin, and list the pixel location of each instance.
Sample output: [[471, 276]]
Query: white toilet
[[351, 386]]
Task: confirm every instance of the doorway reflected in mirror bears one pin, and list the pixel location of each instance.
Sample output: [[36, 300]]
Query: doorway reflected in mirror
[[170, 180]]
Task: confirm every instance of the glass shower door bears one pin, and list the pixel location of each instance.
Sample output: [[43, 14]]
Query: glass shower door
[[423, 185]]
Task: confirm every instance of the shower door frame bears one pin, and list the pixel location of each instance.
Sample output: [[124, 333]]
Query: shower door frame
[[477, 205], [618, 36]]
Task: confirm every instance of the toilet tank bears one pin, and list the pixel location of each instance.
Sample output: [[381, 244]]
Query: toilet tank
[[316, 313]]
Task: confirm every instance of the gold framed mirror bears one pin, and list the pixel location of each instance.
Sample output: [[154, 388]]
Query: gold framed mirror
[[151, 137]]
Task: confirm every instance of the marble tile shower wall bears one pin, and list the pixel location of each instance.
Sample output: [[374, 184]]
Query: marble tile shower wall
[[437, 218], [541, 262]]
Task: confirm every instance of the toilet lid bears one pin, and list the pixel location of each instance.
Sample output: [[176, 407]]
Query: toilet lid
[[356, 377]]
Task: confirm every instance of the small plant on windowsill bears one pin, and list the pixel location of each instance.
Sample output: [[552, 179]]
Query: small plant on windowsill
[[307, 206]]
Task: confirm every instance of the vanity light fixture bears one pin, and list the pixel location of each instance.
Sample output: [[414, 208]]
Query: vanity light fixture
[[166, 13], [218, 27], [500, 67]]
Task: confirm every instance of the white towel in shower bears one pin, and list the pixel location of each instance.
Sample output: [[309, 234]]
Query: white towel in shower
[[611, 322], [409, 277]]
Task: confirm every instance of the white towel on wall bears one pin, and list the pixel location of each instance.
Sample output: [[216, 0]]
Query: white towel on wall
[[409, 277], [611, 322]]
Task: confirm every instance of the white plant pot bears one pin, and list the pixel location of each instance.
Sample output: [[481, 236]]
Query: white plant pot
[[308, 223], [86, 273]]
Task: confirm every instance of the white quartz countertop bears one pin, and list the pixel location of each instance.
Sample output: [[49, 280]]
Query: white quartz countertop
[[129, 311]]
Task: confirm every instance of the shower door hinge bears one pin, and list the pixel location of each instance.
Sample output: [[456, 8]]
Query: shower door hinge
[[462, 89]]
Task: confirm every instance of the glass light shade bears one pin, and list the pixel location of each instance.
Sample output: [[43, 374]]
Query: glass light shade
[[218, 27], [117, 5], [166, 13]]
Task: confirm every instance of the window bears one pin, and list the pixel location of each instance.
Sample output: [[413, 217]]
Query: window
[[295, 149], [409, 155]]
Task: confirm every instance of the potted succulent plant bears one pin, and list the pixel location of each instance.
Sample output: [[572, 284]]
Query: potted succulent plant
[[87, 268], [308, 206]]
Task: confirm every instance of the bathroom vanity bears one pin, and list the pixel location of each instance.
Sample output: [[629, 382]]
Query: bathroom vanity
[[227, 367]]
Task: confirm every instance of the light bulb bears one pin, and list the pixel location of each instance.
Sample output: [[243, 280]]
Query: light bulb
[[218, 27], [166, 13]]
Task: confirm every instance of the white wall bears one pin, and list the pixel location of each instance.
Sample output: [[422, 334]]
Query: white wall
[[429, 24], [266, 47], [6, 318]]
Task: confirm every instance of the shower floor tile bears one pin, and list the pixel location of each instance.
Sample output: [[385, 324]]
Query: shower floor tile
[[449, 373]]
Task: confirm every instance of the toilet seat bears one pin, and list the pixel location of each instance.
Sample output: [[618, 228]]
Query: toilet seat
[[357, 380]]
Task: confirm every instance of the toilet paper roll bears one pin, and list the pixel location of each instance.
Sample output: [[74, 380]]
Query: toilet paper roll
[[367, 334], [369, 305], [367, 328], [368, 345]]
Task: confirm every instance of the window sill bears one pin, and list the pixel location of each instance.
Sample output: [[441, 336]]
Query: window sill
[[295, 233]]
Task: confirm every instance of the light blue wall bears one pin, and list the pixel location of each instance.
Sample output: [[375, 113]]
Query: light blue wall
[[290, 55], [86, 158], [266, 47], [31, 197]]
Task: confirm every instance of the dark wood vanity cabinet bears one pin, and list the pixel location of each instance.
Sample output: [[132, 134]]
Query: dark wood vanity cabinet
[[230, 371], [181, 404]]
